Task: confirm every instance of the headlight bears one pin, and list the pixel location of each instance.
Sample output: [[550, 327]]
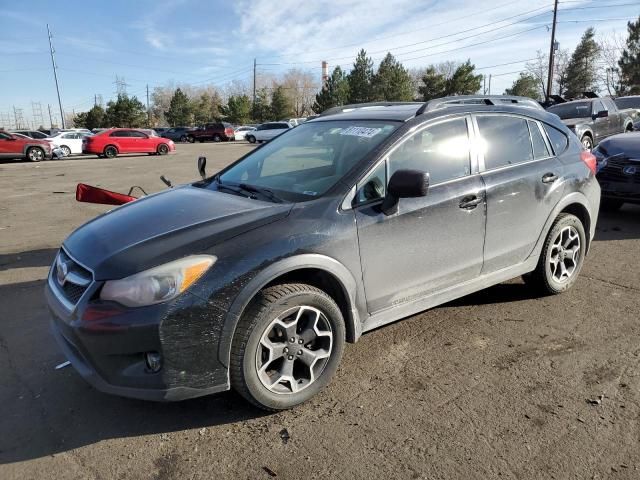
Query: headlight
[[159, 284]]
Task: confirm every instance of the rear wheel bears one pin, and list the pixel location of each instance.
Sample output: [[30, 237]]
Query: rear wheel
[[66, 150], [110, 151], [191, 139], [217, 138], [562, 256], [251, 138], [287, 346], [163, 149], [35, 154]]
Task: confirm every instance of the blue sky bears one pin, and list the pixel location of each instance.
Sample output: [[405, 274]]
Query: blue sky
[[195, 41]]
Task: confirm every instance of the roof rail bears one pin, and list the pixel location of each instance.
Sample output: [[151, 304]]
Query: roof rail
[[354, 106], [494, 100]]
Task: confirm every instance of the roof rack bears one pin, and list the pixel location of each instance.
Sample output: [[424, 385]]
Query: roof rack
[[355, 106], [474, 100]]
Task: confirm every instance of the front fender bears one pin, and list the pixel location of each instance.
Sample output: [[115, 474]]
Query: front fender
[[275, 270]]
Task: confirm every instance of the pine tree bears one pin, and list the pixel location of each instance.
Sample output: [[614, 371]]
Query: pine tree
[[629, 62], [261, 110], [524, 86], [238, 109], [434, 84], [360, 77], [463, 81], [94, 118], [179, 112], [581, 70], [125, 112], [280, 105], [392, 82], [335, 92]]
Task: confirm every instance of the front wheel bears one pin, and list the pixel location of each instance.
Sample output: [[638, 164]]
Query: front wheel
[[35, 154], [65, 150], [184, 139], [287, 346], [163, 149], [562, 256], [251, 139]]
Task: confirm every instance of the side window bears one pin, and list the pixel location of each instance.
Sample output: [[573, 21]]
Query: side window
[[120, 133], [135, 134], [442, 150], [373, 186], [504, 140], [559, 140], [4, 136], [540, 149]]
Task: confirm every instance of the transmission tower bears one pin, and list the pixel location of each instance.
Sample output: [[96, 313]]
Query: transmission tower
[[17, 116], [121, 86], [38, 117], [5, 120]]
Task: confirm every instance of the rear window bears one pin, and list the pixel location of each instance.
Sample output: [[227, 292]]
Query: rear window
[[628, 102], [505, 140], [559, 140]]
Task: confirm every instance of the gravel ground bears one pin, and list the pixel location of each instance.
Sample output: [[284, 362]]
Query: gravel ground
[[494, 385]]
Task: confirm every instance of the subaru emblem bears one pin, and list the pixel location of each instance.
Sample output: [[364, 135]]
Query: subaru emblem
[[630, 170]]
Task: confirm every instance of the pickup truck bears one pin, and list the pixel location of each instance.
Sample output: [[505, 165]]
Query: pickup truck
[[216, 132], [593, 119]]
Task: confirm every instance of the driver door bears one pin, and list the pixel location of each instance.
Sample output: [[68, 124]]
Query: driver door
[[432, 242]]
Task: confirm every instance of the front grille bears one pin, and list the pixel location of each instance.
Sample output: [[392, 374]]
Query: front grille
[[77, 279], [613, 171]]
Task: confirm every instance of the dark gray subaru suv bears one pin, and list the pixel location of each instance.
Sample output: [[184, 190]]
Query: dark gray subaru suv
[[256, 277]]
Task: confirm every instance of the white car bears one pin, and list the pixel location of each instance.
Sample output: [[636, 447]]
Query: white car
[[240, 133], [69, 142], [267, 131]]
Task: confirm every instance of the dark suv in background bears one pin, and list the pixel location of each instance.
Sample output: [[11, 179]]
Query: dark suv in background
[[177, 134], [256, 277], [214, 132]]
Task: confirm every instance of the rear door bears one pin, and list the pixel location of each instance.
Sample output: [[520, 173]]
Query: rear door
[[432, 242], [521, 177]]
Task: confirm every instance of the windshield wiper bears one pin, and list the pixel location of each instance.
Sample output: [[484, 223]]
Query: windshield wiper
[[260, 190], [234, 189]]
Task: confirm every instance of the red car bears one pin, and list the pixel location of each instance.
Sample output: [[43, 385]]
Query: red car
[[111, 142], [15, 146]]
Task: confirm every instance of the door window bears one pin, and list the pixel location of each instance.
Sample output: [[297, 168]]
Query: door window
[[504, 140], [540, 149], [442, 150], [135, 134], [5, 136], [121, 133]]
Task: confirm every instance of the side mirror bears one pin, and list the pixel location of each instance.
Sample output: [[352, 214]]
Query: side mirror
[[602, 114], [404, 184], [202, 165]]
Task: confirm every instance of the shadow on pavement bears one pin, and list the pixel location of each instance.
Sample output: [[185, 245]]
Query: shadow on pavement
[[622, 224], [501, 293], [33, 258], [47, 411]]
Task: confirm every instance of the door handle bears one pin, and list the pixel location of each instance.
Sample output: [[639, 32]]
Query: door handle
[[549, 178], [470, 202]]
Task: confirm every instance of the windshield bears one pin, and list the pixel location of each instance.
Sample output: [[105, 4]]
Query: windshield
[[572, 110], [308, 160], [628, 102]]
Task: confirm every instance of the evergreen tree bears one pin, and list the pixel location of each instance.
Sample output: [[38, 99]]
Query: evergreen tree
[[261, 108], [463, 81], [629, 62], [434, 84], [335, 92], [179, 112], [206, 108], [280, 105], [581, 70], [94, 118], [125, 112], [392, 82], [238, 109], [360, 77], [524, 86]]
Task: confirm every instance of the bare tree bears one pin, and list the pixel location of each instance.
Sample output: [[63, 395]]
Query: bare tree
[[561, 61], [611, 45], [539, 69], [300, 88]]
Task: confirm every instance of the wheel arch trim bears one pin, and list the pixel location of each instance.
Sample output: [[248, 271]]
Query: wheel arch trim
[[299, 262]]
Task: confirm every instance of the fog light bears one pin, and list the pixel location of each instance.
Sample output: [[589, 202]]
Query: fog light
[[153, 361]]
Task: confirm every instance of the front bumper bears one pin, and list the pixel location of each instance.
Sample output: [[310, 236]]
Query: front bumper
[[107, 349]]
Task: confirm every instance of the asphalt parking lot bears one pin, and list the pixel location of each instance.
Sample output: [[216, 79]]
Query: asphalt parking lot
[[494, 385]]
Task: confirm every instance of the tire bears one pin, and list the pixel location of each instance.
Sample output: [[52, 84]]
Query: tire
[[66, 150], [217, 138], [251, 138], [587, 142], [191, 139], [184, 139], [309, 315], [546, 277], [163, 149], [110, 151], [35, 154], [610, 204]]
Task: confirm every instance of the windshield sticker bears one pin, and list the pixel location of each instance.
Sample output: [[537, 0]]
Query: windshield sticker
[[365, 132]]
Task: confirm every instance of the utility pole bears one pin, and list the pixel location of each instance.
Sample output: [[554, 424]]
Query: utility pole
[[55, 75], [484, 84], [95, 99], [148, 111], [254, 88], [50, 117], [489, 84], [552, 50]]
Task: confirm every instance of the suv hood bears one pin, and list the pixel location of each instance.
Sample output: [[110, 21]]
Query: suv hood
[[163, 227]]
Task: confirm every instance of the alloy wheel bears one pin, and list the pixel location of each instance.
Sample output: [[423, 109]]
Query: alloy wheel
[[66, 150], [294, 350], [565, 254], [36, 154]]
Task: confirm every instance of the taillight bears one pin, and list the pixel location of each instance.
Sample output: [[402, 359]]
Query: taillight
[[228, 131], [589, 160]]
